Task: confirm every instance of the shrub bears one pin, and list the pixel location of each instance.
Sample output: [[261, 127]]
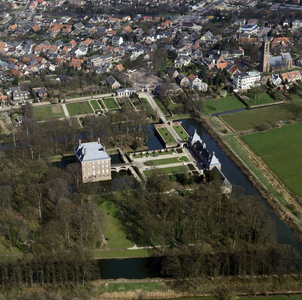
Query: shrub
[[264, 127], [134, 145]]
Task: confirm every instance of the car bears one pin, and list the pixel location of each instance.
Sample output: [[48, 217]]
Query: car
[[149, 156], [148, 168], [144, 157], [173, 153], [155, 155]]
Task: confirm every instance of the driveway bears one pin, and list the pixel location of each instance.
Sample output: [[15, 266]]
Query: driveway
[[153, 104]]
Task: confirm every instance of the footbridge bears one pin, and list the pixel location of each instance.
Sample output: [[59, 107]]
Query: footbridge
[[121, 167]]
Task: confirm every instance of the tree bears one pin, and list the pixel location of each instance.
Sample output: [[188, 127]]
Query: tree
[[134, 145]]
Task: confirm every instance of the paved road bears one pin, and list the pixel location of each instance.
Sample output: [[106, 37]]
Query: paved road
[[153, 104]]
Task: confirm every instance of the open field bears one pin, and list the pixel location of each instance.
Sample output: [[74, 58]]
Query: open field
[[95, 104], [177, 169], [166, 161], [110, 103], [181, 132], [148, 107], [222, 104], [79, 108], [281, 150], [253, 118], [49, 112], [114, 229], [264, 99], [167, 136]]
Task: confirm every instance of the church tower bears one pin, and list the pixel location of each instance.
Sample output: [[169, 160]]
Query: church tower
[[264, 56]]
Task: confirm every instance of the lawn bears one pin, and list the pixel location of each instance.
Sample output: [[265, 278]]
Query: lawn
[[281, 150], [161, 106], [79, 108], [264, 99], [111, 103], [177, 169], [166, 161], [253, 118], [222, 104], [133, 286], [167, 136], [152, 154], [102, 104], [49, 112], [123, 253], [95, 104], [181, 132], [114, 229], [149, 107]]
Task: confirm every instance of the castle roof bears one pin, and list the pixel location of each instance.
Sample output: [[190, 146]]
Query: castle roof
[[91, 151], [195, 138]]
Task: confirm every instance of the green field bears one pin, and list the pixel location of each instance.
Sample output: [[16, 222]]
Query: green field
[[177, 169], [102, 104], [95, 104], [49, 112], [149, 107], [264, 99], [281, 150], [222, 104], [253, 118], [167, 136], [152, 154], [123, 253], [79, 108], [181, 132], [110, 103], [166, 161], [114, 229], [161, 106]]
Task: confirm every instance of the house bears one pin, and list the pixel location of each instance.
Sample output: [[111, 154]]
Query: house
[[125, 92], [41, 93], [21, 96], [182, 80], [95, 161], [182, 60], [275, 79], [117, 40], [197, 84], [172, 72], [94, 60], [246, 80], [280, 41], [81, 51], [119, 68], [291, 77], [3, 99], [112, 82]]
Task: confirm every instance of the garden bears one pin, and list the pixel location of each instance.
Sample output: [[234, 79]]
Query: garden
[[181, 132], [49, 112], [79, 108], [111, 103], [95, 104], [167, 136]]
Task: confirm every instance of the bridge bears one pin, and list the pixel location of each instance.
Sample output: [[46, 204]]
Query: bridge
[[121, 167]]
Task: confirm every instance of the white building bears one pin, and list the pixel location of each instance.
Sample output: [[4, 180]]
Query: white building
[[95, 161], [249, 29], [297, 24], [247, 80]]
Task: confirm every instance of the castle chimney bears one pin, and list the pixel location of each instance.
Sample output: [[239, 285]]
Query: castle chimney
[[213, 154], [104, 148], [99, 140], [80, 142], [85, 151]]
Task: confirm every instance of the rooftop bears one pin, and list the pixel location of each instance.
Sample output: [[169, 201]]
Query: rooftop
[[86, 152]]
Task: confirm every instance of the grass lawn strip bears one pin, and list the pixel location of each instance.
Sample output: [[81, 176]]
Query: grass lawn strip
[[152, 154], [177, 169], [133, 286], [79, 108], [95, 104], [222, 104], [181, 132], [123, 253], [111, 103], [161, 106], [166, 161], [167, 136], [281, 150], [49, 112], [102, 104], [114, 229], [148, 107], [264, 99], [253, 118]]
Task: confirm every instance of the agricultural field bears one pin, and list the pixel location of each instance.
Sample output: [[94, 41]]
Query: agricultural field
[[251, 119], [167, 136], [281, 150], [111, 103], [263, 99], [222, 104], [49, 112], [181, 132], [79, 108], [95, 104]]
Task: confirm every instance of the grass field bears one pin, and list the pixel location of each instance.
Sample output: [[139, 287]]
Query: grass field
[[161, 106], [102, 104], [152, 154], [110, 103], [148, 107], [222, 104], [177, 169], [264, 99], [114, 229], [181, 132], [253, 118], [79, 108], [166, 161], [49, 112], [167, 136], [281, 150], [95, 104], [145, 286]]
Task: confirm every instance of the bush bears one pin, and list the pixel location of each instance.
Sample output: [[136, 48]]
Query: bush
[[264, 127], [134, 145]]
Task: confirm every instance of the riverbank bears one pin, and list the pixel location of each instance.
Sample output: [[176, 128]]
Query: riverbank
[[287, 217]]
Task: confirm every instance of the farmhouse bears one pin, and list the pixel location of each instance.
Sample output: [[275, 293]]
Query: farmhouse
[[95, 161]]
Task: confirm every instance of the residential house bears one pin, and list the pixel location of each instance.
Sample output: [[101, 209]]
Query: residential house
[[112, 82], [291, 77], [197, 84], [172, 72], [119, 68], [94, 60], [117, 40], [20, 96], [182, 80], [182, 60], [125, 92]]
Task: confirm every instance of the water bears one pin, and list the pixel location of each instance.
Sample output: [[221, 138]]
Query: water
[[228, 112]]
